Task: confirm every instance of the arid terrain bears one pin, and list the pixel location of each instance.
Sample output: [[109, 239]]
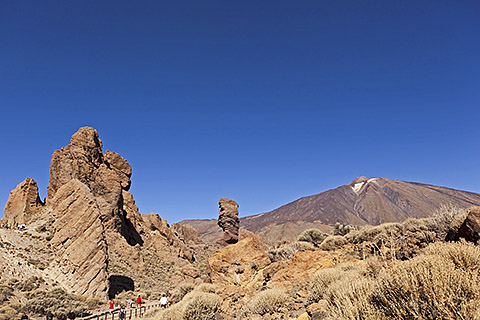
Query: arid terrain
[[371, 249]]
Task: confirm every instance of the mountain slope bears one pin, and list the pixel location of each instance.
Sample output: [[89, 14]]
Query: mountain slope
[[363, 201]]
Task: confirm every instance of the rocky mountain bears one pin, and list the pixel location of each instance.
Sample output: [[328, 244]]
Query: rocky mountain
[[363, 201], [89, 236]]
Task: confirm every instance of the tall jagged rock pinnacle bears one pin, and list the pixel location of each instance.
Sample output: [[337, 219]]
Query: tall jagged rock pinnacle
[[228, 220], [23, 203]]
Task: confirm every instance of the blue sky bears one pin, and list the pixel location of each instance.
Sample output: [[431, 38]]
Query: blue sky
[[259, 101]]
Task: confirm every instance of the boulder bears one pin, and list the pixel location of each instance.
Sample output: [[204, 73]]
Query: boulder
[[228, 220], [470, 229], [23, 203]]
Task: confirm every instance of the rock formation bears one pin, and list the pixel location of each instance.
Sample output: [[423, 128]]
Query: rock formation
[[23, 204], [470, 229], [228, 220], [102, 243]]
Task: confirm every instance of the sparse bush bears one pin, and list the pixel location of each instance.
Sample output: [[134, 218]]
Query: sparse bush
[[374, 233], [323, 278], [8, 313], [206, 287], [443, 282], [447, 218], [333, 242], [196, 305], [286, 250], [202, 306], [314, 236], [5, 293], [57, 299], [342, 229], [267, 301], [30, 284], [182, 290]]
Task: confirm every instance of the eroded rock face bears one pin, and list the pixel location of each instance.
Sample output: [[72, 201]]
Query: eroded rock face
[[228, 220], [79, 240], [23, 203], [107, 177]]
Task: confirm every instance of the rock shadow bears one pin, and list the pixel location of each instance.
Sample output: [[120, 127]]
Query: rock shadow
[[131, 234], [119, 284]]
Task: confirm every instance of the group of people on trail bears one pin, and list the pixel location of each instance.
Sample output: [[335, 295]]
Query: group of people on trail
[[111, 306]]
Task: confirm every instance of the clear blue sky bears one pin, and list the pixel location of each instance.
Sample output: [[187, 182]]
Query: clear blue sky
[[259, 101]]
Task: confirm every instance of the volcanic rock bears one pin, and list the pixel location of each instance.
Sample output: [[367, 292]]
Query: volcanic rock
[[228, 220], [79, 239], [23, 203], [100, 243], [470, 229]]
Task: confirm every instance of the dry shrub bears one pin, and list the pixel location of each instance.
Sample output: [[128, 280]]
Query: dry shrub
[[264, 302], [441, 283], [333, 242], [202, 306], [206, 287], [5, 293], [314, 236], [286, 250], [199, 304], [342, 229], [374, 233], [324, 278], [63, 303], [182, 290], [8, 313], [431, 286], [447, 219]]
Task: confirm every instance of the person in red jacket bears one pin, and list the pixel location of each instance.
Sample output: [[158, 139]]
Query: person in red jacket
[[112, 304], [139, 301]]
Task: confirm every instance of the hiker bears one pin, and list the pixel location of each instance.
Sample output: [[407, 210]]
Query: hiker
[[130, 303], [139, 301], [24, 317], [112, 304], [163, 301], [49, 315], [121, 314]]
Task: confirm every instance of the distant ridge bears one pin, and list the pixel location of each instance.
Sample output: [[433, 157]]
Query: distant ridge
[[362, 201]]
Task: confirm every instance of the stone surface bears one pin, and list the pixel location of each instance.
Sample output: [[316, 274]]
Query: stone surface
[[470, 229], [228, 220], [247, 255], [23, 203], [79, 239]]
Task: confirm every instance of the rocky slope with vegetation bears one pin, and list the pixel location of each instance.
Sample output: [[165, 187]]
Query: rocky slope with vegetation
[[88, 238]]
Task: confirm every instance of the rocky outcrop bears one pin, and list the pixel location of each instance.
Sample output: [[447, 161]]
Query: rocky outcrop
[[240, 263], [23, 203], [470, 229], [79, 239], [102, 243], [228, 220]]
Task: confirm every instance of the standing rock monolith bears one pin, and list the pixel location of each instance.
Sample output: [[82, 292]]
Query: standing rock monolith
[[470, 229], [228, 221], [23, 203]]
